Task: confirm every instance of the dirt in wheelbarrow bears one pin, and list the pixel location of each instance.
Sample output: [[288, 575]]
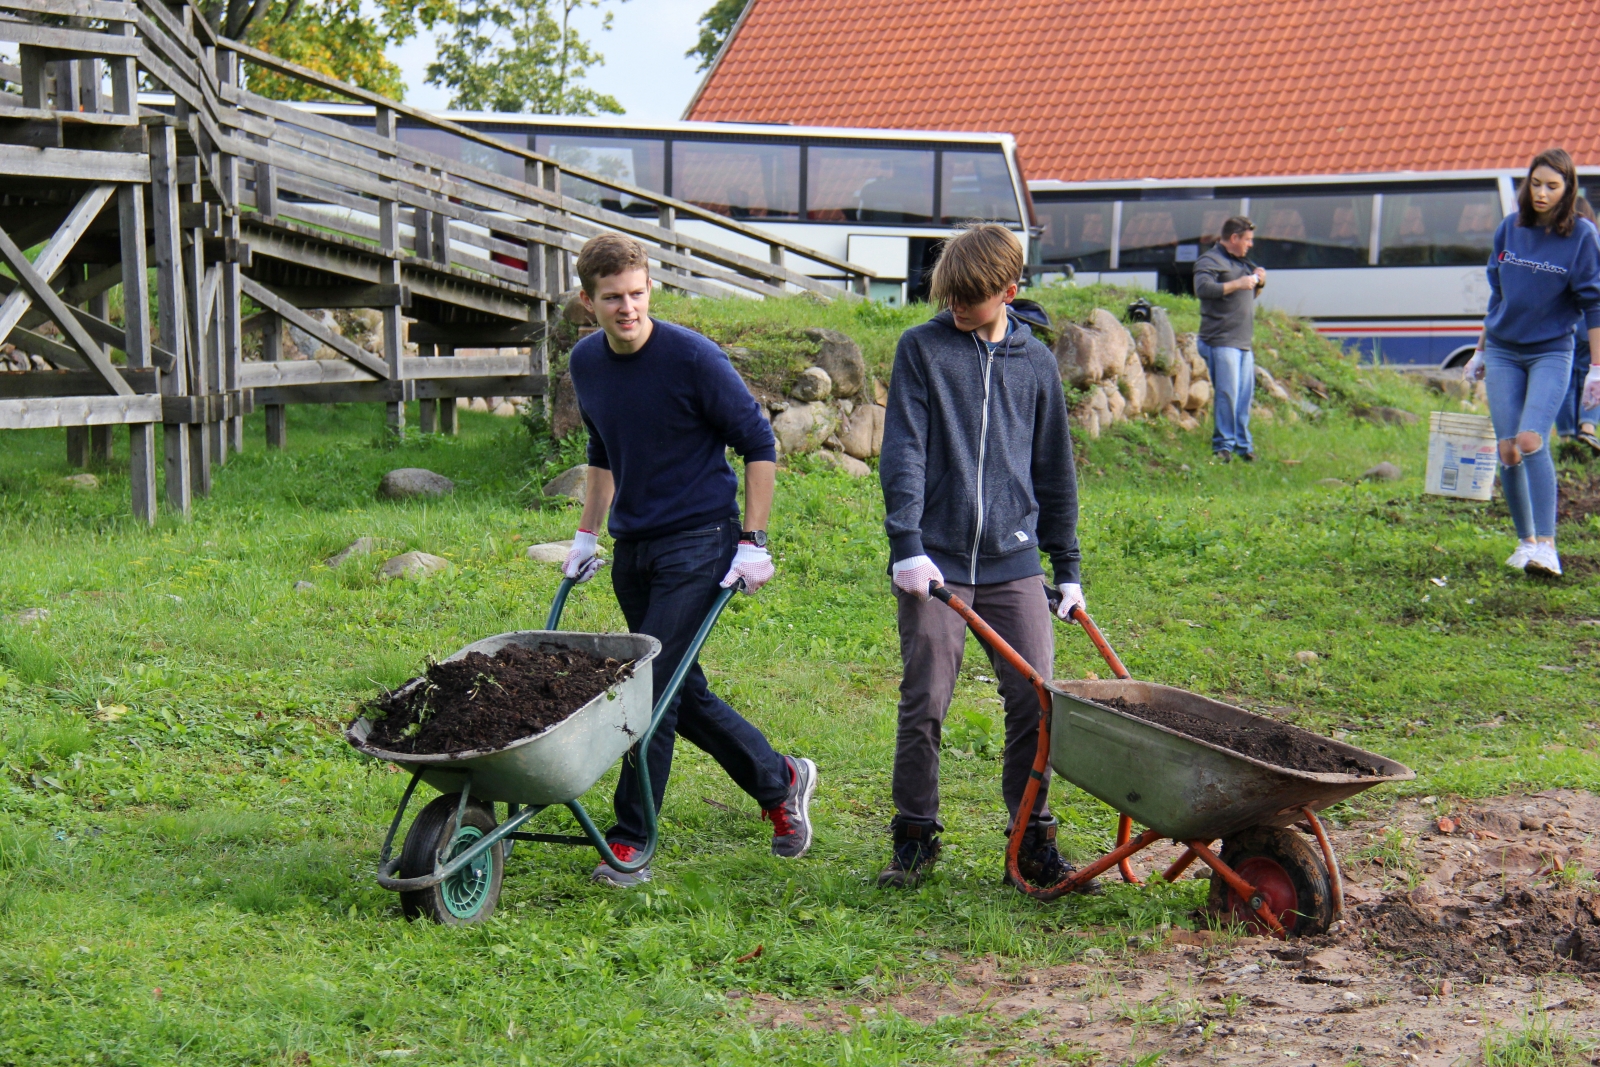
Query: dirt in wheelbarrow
[[481, 702], [1269, 742]]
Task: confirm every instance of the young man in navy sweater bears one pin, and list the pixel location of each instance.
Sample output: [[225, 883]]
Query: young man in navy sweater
[[662, 405]]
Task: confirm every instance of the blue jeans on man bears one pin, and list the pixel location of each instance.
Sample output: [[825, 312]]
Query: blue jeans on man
[[1233, 381], [665, 586]]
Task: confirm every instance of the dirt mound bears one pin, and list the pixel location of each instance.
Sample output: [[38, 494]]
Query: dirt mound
[[480, 701], [1269, 742], [1578, 497], [1529, 930]]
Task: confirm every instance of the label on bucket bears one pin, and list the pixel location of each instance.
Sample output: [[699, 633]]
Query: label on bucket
[[1461, 456]]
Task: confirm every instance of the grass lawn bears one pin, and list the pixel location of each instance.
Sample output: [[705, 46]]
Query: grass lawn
[[187, 843]]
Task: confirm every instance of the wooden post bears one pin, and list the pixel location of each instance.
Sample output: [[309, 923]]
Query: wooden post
[[77, 446], [201, 383], [35, 87], [171, 312], [228, 295], [135, 289], [272, 352], [394, 346]]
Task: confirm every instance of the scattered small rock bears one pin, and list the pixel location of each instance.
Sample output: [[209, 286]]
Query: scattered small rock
[[861, 433], [572, 483], [573, 311], [813, 384], [1306, 657], [505, 410], [1385, 416], [82, 481], [550, 552], [479, 404], [846, 463], [1383, 472], [1446, 825], [413, 565], [303, 587], [410, 482], [30, 616], [565, 417], [359, 547]]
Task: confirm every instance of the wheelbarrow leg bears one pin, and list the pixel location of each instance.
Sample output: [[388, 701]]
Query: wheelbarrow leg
[[1181, 864], [1124, 832], [1246, 891], [1336, 883]]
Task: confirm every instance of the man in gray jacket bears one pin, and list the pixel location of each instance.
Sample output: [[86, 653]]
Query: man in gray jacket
[[977, 480], [1226, 283]]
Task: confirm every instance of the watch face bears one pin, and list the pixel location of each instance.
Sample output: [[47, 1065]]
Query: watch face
[[755, 537]]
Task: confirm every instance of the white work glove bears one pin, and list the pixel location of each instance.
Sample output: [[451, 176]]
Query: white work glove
[[1591, 387], [752, 564], [1473, 371], [913, 575], [582, 563], [1071, 594]]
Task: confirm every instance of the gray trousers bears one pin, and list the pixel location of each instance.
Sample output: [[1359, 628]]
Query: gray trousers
[[932, 641]]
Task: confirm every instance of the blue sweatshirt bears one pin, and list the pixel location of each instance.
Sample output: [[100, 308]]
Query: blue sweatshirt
[[660, 420], [1542, 285]]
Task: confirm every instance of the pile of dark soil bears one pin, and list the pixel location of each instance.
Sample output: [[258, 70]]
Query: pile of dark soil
[[479, 701], [1531, 930], [1578, 497], [1268, 742]]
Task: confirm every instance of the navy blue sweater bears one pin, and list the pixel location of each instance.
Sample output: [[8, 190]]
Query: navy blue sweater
[[1542, 285], [660, 420]]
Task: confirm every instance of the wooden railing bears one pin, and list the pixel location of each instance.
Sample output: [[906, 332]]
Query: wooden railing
[[242, 202]]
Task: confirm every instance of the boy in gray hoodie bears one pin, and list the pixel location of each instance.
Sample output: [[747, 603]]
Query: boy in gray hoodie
[[977, 480]]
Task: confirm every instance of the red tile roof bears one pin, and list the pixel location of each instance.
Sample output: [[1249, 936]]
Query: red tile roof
[[1120, 89]]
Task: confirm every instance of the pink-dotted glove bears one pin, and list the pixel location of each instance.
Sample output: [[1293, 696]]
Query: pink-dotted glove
[[1591, 387], [582, 563], [1071, 596], [913, 575], [1473, 371], [752, 564]]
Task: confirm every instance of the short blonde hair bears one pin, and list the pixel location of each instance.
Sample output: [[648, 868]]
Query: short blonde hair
[[607, 254], [976, 264]]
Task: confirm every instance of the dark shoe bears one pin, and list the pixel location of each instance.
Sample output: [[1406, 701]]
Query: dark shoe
[[916, 846], [1248, 457], [1587, 437], [605, 874], [1041, 864], [1222, 457], [791, 820]]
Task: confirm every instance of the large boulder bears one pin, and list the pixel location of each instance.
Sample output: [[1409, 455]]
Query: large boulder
[[413, 565], [839, 461], [572, 483], [1117, 405], [1270, 385], [1144, 342], [1133, 385], [573, 311], [804, 427], [1079, 359], [1199, 395], [1182, 377], [301, 345], [861, 433], [550, 552], [841, 358], [408, 482], [814, 383], [1158, 389], [1166, 339], [1114, 339]]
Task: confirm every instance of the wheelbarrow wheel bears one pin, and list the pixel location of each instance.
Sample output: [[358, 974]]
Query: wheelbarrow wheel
[[1287, 873], [469, 895]]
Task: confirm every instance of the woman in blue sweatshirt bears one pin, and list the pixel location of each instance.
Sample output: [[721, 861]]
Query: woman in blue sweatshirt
[[1544, 280]]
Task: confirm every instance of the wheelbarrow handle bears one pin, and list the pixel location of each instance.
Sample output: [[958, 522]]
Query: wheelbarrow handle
[[1081, 617], [560, 602]]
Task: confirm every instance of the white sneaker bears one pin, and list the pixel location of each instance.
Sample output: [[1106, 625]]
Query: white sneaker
[[1544, 561], [1519, 559]]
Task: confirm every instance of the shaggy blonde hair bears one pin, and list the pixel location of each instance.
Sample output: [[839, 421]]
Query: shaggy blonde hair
[[976, 264]]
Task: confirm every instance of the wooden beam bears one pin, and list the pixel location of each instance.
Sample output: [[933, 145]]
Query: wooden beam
[[42, 384], [68, 322], [35, 414], [477, 334], [346, 296], [54, 254], [351, 351], [75, 164]]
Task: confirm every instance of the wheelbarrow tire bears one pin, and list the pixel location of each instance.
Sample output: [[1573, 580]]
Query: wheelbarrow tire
[[1285, 870], [469, 895]]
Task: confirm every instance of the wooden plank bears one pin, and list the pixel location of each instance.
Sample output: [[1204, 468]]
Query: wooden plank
[[11, 113], [56, 383], [476, 334], [75, 164], [54, 254], [51, 303], [438, 367], [346, 296], [269, 300], [70, 42], [37, 414], [87, 9], [300, 372], [61, 355], [385, 392]]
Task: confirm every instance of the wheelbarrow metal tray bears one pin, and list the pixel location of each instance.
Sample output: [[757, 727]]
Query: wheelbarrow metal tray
[[561, 763], [1181, 786]]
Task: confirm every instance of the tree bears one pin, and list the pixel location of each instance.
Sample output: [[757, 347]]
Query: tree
[[715, 26], [333, 37], [513, 55]]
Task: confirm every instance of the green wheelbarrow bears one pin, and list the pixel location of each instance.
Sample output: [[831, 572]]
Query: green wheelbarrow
[[1189, 791], [453, 860]]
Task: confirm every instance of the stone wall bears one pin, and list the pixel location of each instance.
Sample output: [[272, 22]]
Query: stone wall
[[1119, 373]]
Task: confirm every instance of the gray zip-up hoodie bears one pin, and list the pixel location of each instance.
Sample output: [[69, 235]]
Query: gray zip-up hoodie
[[977, 466]]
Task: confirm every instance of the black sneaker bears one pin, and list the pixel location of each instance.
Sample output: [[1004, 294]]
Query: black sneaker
[[791, 820], [1041, 864], [1222, 457], [916, 846]]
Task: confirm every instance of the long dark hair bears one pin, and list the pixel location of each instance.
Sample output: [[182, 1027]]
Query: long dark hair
[[1565, 213]]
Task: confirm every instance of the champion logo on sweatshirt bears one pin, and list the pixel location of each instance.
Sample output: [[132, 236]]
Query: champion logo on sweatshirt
[[1510, 257]]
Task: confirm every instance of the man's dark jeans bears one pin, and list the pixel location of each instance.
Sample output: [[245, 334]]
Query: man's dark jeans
[[665, 586]]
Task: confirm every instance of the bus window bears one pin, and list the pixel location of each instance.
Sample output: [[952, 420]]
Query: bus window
[[743, 181], [1312, 231], [976, 186], [1453, 228], [1156, 232], [628, 160], [444, 143], [1075, 234], [869, 185]]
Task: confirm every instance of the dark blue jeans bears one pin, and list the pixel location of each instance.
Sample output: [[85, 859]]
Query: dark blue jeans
[[665, 586]]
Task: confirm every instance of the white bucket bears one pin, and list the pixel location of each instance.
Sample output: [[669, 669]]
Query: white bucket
[[1461, 455]]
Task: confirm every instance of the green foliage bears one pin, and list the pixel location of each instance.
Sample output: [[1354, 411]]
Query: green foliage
[[519, 55], [972, 734], [1537, 1042], [715, 26], [343, 39]]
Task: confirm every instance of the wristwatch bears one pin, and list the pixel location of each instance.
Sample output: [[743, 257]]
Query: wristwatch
[[754, 537]]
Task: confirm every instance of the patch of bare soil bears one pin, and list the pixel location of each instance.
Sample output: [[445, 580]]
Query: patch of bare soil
[[1578, 497], [1446, 936]]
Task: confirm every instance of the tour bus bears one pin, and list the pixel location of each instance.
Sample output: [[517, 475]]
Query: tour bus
[[1391, 264], [881, 198]]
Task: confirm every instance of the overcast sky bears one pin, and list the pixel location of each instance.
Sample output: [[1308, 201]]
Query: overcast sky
[[645, 68]]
